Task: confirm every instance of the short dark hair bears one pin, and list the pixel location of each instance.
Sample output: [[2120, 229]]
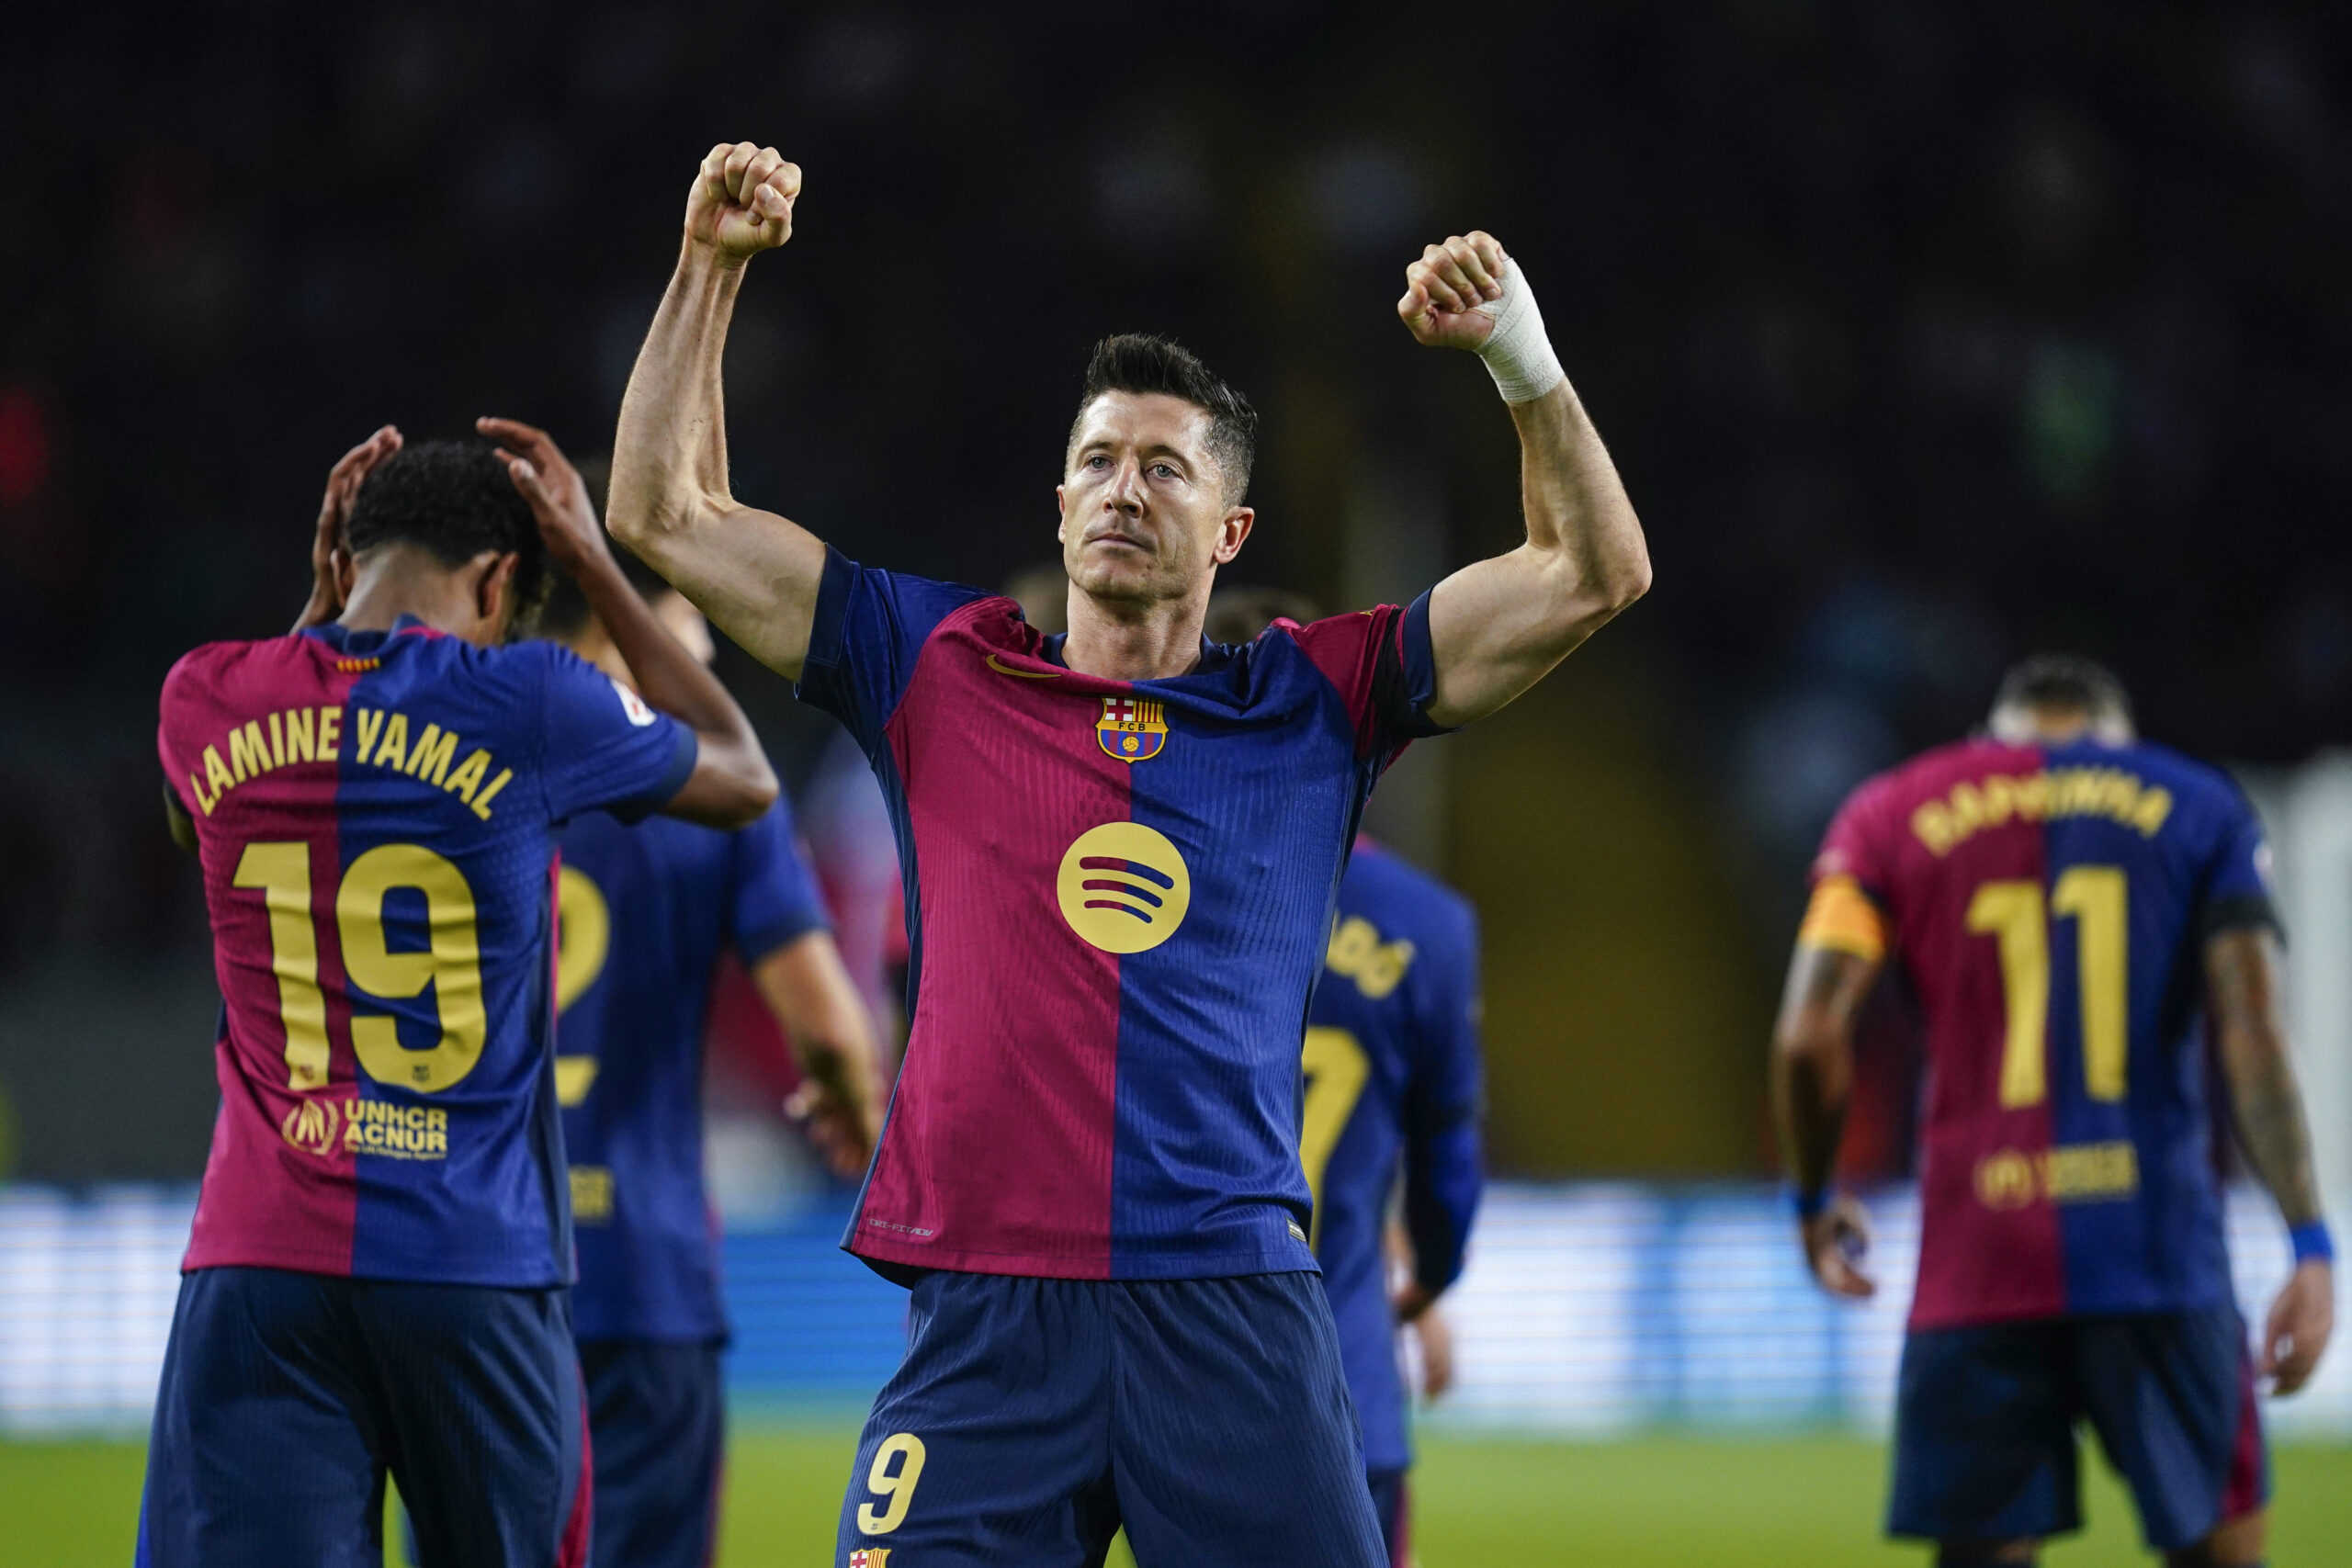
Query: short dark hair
[[1238, 614], [453, 500], [1142, 364], [2066, 681]]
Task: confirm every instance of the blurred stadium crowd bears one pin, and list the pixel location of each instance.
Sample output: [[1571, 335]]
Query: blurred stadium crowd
[[1925, 334]]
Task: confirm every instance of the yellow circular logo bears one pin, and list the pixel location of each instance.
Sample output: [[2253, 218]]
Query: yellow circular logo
[[1124, 887]]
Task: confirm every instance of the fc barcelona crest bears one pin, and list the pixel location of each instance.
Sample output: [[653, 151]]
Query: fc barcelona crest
[[1133, 730]]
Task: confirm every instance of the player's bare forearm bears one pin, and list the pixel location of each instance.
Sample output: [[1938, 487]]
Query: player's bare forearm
[[1813, 1076], [1500, 625], [2242, 974], [731, 783], [1812, 1058], [808, 990], [754, 573]]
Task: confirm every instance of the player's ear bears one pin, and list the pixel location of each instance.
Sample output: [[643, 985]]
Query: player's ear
[[494, 593], [1233, 531], [345, 566]]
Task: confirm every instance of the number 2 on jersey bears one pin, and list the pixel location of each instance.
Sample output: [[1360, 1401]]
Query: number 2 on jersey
[[451, 962], [583, 936], [2014, 914]]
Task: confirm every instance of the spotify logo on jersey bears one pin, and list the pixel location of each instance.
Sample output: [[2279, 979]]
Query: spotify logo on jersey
[[1124, 887]]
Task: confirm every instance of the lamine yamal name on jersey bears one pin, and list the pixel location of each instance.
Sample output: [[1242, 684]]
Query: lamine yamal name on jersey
[[381, 737]]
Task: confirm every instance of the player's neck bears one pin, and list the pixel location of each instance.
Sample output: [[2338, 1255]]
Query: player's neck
[[1160, 640], [444, 600]]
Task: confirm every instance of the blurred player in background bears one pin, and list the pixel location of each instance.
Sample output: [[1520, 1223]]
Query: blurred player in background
[[645, 911], [1394, 1080], [376, 1281], [1121, 846], [2080, 912]]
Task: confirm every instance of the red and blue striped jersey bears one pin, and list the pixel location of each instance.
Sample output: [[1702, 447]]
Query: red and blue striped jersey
[[1117, 900], [1394, 1081], [646, 912], [2050, 908], [375, 815]]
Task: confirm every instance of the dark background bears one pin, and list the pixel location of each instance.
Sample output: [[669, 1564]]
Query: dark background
[[1925, 335]]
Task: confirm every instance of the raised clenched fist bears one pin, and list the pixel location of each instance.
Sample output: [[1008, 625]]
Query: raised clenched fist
[[1446, 289], [741, 201]]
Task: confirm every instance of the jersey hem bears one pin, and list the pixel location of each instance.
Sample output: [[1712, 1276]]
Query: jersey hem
[[339, 1268], [1919, 1323], [1040, 1266]]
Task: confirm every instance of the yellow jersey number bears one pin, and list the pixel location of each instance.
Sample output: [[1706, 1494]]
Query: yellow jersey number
[[2014, 913], [898, 1491], [583, 940], [451, 962], [1337, 1070]]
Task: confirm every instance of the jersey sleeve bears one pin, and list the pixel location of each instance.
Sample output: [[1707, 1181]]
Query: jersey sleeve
[[2237, 882], [775, 900], [870, 627], [602, 748], [1444, 1159], [1853, 876], [1381, 663], [1860, 843]]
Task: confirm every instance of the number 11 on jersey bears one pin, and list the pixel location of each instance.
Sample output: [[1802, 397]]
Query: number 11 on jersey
[[2097, 897]]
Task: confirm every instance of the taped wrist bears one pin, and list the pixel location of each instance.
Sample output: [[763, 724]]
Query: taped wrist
[[1518, 352]]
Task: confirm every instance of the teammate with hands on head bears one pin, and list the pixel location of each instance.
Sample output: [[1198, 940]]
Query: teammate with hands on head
[[377, 1278], [1121, 845]]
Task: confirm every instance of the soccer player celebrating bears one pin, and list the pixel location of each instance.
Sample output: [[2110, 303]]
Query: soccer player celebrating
[[377, 1277], [1393, 1085], [646, 912], [2079, 911], [1120, 849]]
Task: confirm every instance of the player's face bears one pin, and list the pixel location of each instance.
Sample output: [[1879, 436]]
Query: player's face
[[1144, 517]]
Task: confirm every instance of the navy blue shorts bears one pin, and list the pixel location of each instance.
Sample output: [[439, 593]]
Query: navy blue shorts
[[1033, 1417], [1984, 1444], [657, 1414], [1392, 1504], [286, 1398]]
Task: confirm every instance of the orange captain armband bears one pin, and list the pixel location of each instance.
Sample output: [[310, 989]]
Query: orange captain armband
[[1842, 918]]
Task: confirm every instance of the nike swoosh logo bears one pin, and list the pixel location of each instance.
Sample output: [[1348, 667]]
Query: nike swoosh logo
[[1022, 674]]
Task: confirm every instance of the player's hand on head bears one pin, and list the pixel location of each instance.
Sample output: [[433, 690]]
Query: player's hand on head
[[741, 201], [2297, 1331], [1836, 1242], [1444, 289], [327, 543], [557, 495]]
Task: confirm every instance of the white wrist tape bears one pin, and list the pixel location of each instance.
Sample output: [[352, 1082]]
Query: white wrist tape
[[1519, 351]]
